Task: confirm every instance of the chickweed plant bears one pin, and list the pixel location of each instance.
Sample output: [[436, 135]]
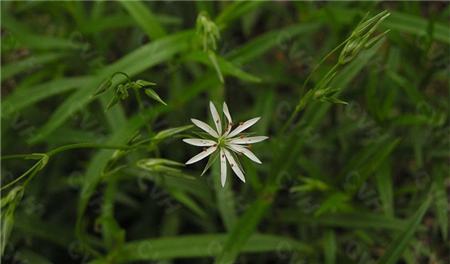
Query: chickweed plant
[[348, 103]]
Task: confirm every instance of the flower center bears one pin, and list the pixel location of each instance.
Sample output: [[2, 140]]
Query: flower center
[[221, 142]]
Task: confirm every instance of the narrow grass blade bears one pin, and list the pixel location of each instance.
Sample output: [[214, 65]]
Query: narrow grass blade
[[441, 201], [417, 26], [190, 246], [385, 189], [395, 250], [225, 66], [22, 98], [34, 61], [329, 246], [145, 18]]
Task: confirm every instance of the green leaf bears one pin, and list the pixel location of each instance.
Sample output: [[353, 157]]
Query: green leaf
[[113, 234], [152, 94], [235, 10], [24, 36], [440, 200], [145, 18], [210, 162], [367, 161], [224, 197], [34, 61], [213, 59], [261, 44], [190, 203], [360, 220], [195, 246], [329, 247], [385, 189], [417, 26], [336, 202], [395, 250], [22, 98], [221, 65], [246, 225]]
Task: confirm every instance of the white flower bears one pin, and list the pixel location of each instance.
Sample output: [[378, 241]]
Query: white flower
[[224, 142]]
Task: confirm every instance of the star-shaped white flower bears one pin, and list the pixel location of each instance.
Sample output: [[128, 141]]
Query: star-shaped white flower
[[224, 142]]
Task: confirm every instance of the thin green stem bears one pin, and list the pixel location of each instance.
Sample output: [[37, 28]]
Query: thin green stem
[[122, 73], [33, 170], [85, 145], [141, 109], [15, 156], [30, 170]]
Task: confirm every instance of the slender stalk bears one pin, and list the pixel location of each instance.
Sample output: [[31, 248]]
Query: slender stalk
[[30, 170], [85, 145], [141, 109], [122, 73], [34, 169]]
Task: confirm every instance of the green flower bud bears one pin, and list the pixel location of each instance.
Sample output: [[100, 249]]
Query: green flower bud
[[152, 94]]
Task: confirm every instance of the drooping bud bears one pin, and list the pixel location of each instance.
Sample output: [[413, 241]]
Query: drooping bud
[[152, 94]]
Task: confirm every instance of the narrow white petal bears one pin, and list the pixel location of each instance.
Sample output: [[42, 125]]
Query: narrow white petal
[[248, 140], [216, 117], [205, 127], [200, 142], [244, 126], [245, 151], [202, 155], [227, 113], [234, 165], [227, 129], [223, 168]]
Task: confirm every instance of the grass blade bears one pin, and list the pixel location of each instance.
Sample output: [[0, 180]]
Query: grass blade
[[395, 250], [31, 62], [145, 19], [190, 246]]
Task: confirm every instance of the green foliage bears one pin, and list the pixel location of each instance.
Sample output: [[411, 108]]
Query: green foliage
[[353, 96]]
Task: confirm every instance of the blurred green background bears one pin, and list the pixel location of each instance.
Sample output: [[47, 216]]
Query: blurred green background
[[361, 182]]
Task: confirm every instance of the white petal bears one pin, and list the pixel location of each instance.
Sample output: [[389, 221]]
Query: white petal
[[202, 155], [234, 165], [227, 129], [244, 126], [205, 127], [216, 117], [199, 142], [248, 140], [245, 151], [223, 168], [227, 112]]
